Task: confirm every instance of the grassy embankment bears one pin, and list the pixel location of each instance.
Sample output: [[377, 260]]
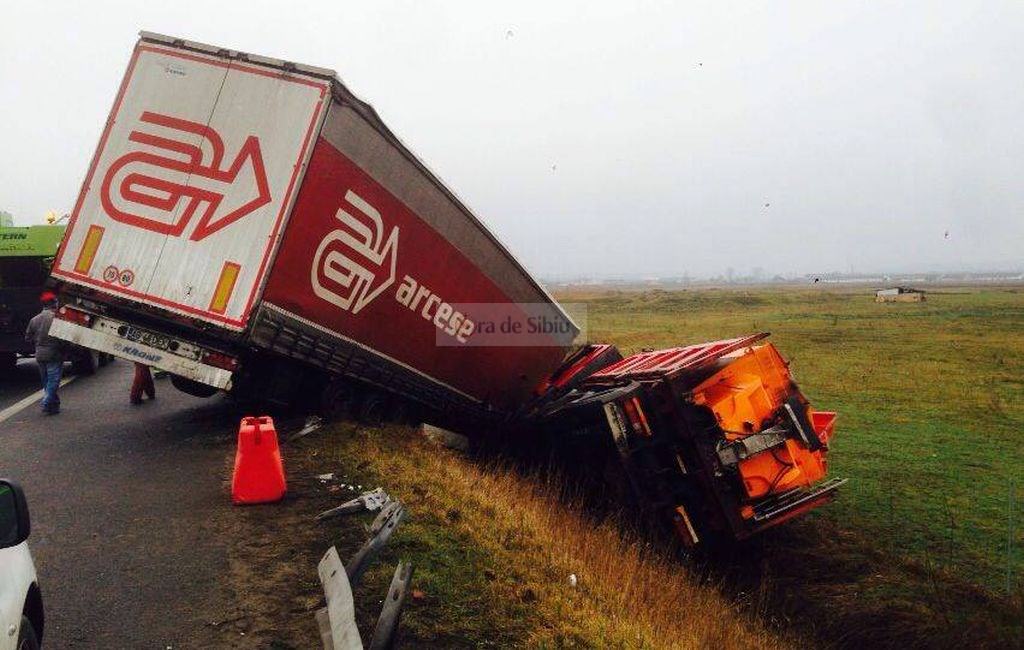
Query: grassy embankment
[[494, 551]]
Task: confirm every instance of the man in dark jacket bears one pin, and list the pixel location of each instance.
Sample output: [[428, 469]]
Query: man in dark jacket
[[49, 355]]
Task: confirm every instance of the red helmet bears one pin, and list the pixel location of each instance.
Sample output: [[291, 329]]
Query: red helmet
[[48, 296]]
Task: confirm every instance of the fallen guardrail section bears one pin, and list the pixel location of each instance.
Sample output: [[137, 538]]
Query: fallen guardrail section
[[336, 621]]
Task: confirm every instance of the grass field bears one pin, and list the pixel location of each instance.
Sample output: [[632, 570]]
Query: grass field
[[931, 429]]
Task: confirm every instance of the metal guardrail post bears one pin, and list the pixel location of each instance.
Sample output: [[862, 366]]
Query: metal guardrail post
[[380, 531], [336, 622], [341, 608], [369, 501], [387, 624]]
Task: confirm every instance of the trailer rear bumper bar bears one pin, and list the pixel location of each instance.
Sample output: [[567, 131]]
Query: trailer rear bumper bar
[[103, 336], [776, 509]]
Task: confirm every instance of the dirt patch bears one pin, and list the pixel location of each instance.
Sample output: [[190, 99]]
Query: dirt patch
[[274, 551]]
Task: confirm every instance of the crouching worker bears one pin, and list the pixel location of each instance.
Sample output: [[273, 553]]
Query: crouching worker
[[49, 352], [142, 383]]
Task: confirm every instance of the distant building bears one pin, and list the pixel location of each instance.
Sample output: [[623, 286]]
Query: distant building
[[899, 294]]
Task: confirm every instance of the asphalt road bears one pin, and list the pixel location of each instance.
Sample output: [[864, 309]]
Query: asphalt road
[[21, 382], [129, 509]]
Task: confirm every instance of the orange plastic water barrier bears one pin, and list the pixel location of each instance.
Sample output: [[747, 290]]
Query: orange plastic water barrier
[[259, 470]]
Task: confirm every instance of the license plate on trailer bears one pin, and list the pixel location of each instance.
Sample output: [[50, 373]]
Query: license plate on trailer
[[147, 338]]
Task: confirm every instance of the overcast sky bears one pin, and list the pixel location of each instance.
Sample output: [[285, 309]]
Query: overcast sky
[[603, 139]]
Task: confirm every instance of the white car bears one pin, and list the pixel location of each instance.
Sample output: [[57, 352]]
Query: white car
[[21, 603]]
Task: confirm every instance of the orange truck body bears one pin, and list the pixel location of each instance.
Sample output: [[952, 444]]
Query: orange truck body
[[744, 396], [715, 438]]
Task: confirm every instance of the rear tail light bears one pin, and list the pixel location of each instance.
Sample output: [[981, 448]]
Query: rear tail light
[[636, 416], [219, 360], [75, 316]]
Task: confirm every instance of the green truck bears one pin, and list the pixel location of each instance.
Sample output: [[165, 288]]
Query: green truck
[[26, 254]]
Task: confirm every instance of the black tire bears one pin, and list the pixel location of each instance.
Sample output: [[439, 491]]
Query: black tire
[[399, 411], [193, 388], [337, 400], [106, 359], [27, 638], [405, 413], [85, 362], [373, 407]]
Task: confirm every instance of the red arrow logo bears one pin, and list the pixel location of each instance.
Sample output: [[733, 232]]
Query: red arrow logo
[[136, 176], [355, 263]]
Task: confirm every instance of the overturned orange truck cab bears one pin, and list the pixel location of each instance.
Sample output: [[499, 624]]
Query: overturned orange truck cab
[[716, 438]]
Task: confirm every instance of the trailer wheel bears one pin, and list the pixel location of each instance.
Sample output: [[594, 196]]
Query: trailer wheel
[[405, 413], [85, 362], [372, 408], [337, 400], [191, 387], [399, 411]]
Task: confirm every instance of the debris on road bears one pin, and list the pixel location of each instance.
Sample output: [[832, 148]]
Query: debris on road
[[313, 423], [445, 438], [233, 619], [368, 501]]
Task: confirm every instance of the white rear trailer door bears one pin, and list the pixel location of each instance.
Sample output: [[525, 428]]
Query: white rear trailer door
[[189, 189]]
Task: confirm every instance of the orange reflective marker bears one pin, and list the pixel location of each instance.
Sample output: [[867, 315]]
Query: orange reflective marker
[[89, 248], [225, 285]]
